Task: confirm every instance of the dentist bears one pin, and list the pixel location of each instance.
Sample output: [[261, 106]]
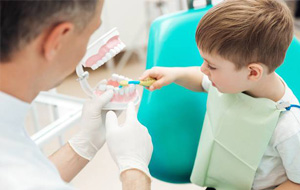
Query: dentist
[[41, 44]]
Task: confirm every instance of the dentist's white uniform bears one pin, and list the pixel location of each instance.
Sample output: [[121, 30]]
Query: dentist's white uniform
[[22, 164]]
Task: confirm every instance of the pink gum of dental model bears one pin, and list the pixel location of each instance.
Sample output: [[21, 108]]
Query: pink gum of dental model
[[111, 43], [118, 98]]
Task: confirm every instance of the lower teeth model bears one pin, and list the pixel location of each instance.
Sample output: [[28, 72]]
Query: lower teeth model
[[98, 53]]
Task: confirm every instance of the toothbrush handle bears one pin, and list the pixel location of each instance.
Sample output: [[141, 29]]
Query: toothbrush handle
[[147, 82]]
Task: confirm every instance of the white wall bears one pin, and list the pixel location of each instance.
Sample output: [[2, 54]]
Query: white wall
[[130, 17]]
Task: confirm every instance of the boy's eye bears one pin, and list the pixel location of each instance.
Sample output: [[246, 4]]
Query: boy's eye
[[211, 68]]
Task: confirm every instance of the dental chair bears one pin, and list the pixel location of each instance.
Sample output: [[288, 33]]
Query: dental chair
[[174, 115]]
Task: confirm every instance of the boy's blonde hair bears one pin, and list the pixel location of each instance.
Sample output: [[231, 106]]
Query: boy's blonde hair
[[247, 31]]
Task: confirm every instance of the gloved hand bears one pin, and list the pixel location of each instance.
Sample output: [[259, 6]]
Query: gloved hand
[[91, 136], [130, 145]]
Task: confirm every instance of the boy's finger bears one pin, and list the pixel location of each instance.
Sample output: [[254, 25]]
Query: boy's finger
[[151, 73], [144, 75], [151, 88], [157, 85]]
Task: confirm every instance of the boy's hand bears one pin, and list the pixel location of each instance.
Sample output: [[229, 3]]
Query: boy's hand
[[163, 75]]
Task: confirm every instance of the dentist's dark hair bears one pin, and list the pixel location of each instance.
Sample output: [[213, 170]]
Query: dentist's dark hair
[[22, 21]]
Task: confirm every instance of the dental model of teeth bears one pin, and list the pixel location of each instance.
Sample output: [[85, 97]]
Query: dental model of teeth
[[98, 53], [110, 45], [122, 96]]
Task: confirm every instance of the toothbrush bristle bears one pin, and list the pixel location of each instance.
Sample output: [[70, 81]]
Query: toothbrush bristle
[[123, 83]]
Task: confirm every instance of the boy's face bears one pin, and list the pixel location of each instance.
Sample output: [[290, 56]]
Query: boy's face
[[224, 75]]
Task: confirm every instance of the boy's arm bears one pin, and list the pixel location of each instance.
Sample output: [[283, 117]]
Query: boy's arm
[[288, 185], [188, 77]]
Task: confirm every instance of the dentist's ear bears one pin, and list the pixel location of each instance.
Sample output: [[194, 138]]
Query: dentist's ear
[[256, 71], [55, 38]]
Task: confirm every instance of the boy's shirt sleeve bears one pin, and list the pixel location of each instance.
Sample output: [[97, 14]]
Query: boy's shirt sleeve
[[289, 151], [206, 83]]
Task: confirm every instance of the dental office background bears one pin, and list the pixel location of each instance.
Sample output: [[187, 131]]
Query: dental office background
[[53, 116]]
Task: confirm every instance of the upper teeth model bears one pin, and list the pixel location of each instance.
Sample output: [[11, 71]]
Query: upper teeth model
[[98, 53], [103, 49]]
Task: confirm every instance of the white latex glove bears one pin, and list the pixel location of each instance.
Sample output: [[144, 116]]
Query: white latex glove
[[130, 145], [91, 136]]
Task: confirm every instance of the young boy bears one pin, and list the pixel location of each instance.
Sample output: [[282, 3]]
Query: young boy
[[249, 140]]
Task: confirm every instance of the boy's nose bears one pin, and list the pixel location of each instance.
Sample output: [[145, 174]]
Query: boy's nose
[[204, 69]]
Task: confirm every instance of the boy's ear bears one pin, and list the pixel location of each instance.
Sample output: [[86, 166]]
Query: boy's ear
[[54, 39], [256, 71]]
